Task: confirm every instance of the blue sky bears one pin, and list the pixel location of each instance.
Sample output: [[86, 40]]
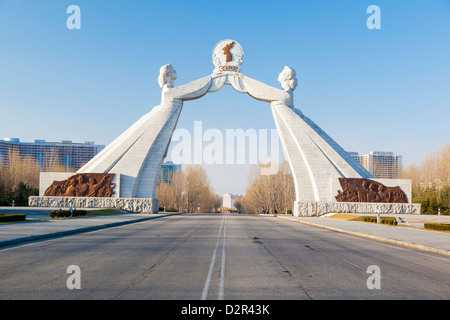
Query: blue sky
[[386, 90]]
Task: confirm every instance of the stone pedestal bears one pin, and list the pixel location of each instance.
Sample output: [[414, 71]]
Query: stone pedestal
[[135, 205], [312, 208]]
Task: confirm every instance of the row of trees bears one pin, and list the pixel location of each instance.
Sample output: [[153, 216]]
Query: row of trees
[[189, 191], [19, 177], [268, 193], [431, 181]]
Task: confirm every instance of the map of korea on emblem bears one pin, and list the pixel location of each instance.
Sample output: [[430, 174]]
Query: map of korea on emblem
[[227, 56]]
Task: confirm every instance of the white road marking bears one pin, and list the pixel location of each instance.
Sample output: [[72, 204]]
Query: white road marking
[[222, 268], [211, 266], [355, 265]]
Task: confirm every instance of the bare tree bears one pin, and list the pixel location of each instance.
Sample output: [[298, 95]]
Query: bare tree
[[165, 195], [268, 193], [431, 179], [198, 191], [19, 175], [178, 185], [15, 169], [189, 191], [52, 163], [433, 171]]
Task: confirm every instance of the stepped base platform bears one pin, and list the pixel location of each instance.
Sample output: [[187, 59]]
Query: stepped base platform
[[312, 208], [136, 205]]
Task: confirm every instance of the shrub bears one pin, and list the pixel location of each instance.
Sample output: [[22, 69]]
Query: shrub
[[161, 209], [437, 226], [370, 219], [389, 220], [384, 220], [66, 213], [12, 217]]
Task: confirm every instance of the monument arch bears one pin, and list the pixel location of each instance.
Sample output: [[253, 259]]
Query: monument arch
[[318, 164]]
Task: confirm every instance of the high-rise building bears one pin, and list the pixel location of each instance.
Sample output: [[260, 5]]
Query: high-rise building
[[67, 153], [168, 169], [382, 164], [356, 156], [228, 200]]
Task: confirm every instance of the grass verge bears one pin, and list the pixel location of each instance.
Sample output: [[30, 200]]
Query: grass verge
[[370, 219], [102, 212], [347, 217]]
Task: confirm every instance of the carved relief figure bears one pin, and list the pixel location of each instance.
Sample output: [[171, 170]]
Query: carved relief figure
[[366, 190], [97, 185]]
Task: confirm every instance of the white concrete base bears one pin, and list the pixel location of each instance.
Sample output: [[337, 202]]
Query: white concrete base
[[312, 208], [137, 205]]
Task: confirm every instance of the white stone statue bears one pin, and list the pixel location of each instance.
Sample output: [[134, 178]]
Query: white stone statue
[[137, 154], [167, 76], [288, 79]]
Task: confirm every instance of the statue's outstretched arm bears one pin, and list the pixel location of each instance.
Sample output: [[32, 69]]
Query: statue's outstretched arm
[[191, 90], [263, 92]]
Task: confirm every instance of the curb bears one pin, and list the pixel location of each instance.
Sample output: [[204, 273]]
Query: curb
[[74, 231], [392, 241]]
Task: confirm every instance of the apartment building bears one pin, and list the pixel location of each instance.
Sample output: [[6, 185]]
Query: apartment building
[[70, 154], [168, 169], [382, 164]]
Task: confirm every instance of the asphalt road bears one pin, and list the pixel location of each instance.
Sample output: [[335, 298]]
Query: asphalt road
[[215, 257]]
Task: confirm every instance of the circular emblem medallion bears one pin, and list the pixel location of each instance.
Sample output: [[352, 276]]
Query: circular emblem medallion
[[227, 56]]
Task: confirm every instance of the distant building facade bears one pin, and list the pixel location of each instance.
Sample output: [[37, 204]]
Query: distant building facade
[[382, 164], [228, 200], [168, 169], [67, 153]]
